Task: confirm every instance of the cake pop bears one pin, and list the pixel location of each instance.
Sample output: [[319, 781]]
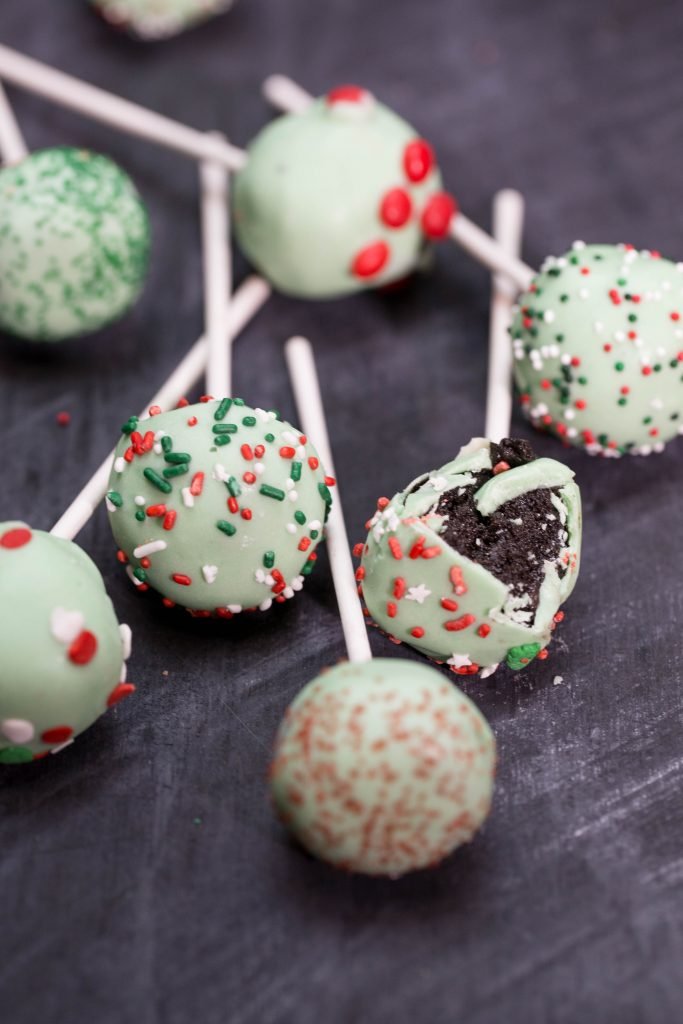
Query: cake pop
[[63, 651], [380, 766], [470, 563], [74, 244], [158, 19]]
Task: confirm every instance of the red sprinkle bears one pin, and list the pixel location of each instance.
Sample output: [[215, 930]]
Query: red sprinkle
[[392, 609], [500, 467], [197, 484], [154, 410], [181, 579], [156, 510], [457, 580], [16, 538], [438, 214], [418, 160], [396, 208], [192, 422], [59, 734], [287, 452], [455, 625], [313, 462], [247, 453], [395, 548], [417, 632], [400, 587], [120, 693], [249, 478], [169, 520], [246, 513], [449, 604], [232, 505], [84, 648], [63, 418], [346, 94], [370, 260], [304, 545], [360, 571], [484, 630]]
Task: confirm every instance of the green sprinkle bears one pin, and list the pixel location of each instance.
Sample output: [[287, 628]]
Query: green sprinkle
[[176, 458], [632, 318], [172, 471], [272, 492], [559, 337], [223, 409], [314, 534], [308, 568], [249, 421], [239, 401], [16, 755], [225, 527], [140, 574], [130, 425], [157, 481], [269, 559], [270, 438], [296, 471], [222, 440], [619, 367], [622, 401], [564, 298], [233, 486], [583, 380], [140, 515], [325, 493], [225, 428], [166, 444], [300, 517], [115, 498]]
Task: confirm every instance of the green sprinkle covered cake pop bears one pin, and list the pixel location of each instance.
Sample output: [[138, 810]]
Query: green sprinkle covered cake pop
[[217, 506], [383, 767], [63, 652], [470, 563], [598, 344], [74, 244], [158, 19], [340, 197]]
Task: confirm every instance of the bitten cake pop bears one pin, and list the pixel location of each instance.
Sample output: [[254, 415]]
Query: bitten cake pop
[[383, 767], [63, 651], [470, 564], [158, 19], [218, 506], [338, 197], [380, 766], [74, 244], [598, 346]]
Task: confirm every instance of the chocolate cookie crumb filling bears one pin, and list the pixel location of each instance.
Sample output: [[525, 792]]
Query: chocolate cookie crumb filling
[[516, 540]]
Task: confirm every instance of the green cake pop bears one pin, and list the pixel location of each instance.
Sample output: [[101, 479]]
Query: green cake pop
[[74, 244], [339, 197], [158, 19], [383, 767], [598, 344], [470, 563], [217, 506], [63, 652]]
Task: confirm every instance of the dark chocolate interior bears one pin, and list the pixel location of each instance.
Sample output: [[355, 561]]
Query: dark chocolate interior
[[517, 539]]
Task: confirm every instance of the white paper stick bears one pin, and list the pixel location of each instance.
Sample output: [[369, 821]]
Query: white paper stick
[[100, 105], [286, 95], [217, 276], [13, 148], [508, 219], [306, 386], [245, 303]]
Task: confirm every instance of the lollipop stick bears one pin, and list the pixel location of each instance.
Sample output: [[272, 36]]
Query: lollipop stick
[[508, 218], [13, 149], [217, 276], [100, 105], [284, 94], [306, 386], [245, 303]]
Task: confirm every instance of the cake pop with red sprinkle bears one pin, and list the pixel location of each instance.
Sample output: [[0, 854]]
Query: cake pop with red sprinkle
[[339, 197], [63, 651], [470, 563]]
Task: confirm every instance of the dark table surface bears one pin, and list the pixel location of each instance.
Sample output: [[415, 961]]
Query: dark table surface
[[142, 874]]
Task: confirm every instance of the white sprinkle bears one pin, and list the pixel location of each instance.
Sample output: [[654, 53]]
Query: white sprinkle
[[149, 549], [188, 497], [139, 500], [558, 680], [235, 608], [126, 639], [290, 528], [209, 572], [17, 730], [265, 605], [119, 464]]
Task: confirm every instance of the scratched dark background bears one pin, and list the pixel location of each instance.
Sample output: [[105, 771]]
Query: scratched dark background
[[142, 875]]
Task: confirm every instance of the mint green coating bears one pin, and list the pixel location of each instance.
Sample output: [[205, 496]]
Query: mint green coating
[[158, 19], [408, 520], [40, 687], [383, 767], [227, 564], [308, 199], [598, 345], [507, 486], [74, 244]]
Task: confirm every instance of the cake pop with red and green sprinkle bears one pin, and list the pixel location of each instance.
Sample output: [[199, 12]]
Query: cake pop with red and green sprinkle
[[598, 346], [63, 651], [217, 506], [158, 19], [471, 563], [74, 244], [341, 196]]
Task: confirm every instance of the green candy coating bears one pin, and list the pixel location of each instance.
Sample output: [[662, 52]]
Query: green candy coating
[[443, 603], [598, 345], [63, 652], [310, 195], [235, 530], [74, 244], [158, 19], [383, 767]]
